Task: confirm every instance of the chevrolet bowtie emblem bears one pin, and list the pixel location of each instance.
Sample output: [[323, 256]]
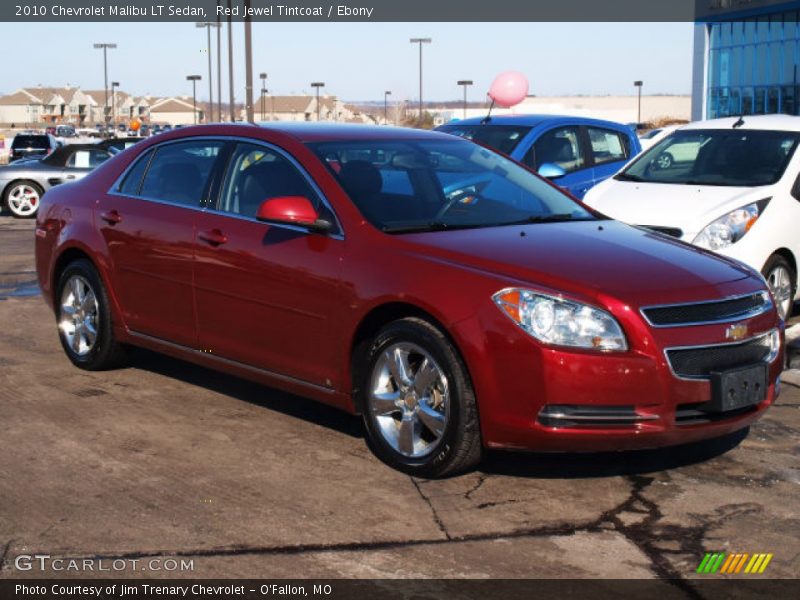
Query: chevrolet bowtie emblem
[[736, 332]]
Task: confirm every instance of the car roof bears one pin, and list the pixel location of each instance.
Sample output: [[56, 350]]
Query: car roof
[[536, 120], [60, 155], [310, 131], [758, 122]]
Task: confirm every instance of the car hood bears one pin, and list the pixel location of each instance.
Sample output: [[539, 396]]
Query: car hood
[[688, 207], [587, 257]]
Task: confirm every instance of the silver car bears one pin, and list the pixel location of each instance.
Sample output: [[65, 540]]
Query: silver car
[[22, 183]]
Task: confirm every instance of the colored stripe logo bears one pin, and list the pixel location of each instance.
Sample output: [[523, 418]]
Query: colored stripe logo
[[735, 563]]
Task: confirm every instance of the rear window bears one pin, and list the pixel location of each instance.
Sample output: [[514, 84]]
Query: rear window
[[31, 141], [504, 138]]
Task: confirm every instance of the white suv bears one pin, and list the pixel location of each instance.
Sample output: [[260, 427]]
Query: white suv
[[729, 185]]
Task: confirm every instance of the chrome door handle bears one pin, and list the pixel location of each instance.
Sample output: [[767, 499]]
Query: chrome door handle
[[112, 217]]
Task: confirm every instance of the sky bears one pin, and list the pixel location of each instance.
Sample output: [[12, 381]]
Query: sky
[[359, 61]]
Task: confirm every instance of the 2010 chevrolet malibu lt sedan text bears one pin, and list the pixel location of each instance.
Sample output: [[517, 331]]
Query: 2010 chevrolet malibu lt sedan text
[[449, 295]]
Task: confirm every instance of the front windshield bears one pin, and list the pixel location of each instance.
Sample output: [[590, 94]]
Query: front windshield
[[404, 186], [504, 138], [723, 157]]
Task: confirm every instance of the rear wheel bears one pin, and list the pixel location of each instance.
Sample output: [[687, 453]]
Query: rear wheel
[[419, 407], [84, 319], [782, 281], [23, 198]]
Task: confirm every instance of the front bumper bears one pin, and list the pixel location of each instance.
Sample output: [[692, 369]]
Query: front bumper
[[640, 401]]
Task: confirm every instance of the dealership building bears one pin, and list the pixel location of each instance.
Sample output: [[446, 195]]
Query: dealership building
[[746, 57]]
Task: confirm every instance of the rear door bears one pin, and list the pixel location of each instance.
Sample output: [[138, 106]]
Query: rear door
[[562, 146], [148, 223], [610, 150]]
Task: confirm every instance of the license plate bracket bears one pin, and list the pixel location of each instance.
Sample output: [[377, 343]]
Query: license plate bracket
[[738, 388]]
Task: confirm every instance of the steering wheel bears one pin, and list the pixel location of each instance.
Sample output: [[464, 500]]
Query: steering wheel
[[455, 197]]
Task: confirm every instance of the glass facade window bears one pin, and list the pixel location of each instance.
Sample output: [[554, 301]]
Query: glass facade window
[[753, 66]]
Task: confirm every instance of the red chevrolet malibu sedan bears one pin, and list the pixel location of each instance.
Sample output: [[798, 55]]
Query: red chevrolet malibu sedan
[[450, 296]]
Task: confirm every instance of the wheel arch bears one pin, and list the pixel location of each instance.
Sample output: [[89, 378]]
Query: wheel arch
[[373, 321]]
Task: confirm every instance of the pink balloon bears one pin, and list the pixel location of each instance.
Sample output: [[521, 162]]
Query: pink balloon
[[508, 89]]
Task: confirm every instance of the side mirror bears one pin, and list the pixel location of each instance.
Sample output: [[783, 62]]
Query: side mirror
[[292, 210], [551, 171]]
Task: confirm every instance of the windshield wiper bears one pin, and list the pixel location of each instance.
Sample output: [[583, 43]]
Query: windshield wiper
[[554, 218], [422, 227], [627, 177]]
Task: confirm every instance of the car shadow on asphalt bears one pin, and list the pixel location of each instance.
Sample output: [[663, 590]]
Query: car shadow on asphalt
[[509, 463]]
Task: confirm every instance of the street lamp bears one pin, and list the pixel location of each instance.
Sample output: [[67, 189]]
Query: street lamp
[[465, 83], [248, 62], [208, 26], [420, 41], [230, 63], [105, 47], [219, 63], [263, 77], [639, 85], [114, 84], [317, 85], [194, 79], [386, 95]]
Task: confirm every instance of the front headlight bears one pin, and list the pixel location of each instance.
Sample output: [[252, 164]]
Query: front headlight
[[553, 320], [730, 228]]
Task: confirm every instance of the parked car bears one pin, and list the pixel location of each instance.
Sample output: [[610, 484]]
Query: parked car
[[66, 132], [23, 183], [654, 136], [575, 153], [155, 129], [32, 146], [729, 185], [469, 305]]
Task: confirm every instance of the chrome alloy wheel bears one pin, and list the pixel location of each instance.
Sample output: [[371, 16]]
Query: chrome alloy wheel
[[23, 200], [409, 399], [78, 315], [779, 281]]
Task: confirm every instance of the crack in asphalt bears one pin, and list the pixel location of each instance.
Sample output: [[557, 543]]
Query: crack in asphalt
[[646, 535], [437, 519], [5, 553], [481, 480]]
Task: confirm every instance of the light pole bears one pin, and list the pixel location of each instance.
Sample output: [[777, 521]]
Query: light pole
[[386, 95], [263, 77], [465, 83], [208, 25], [105, 47], [219, 64], [248, 62], [194, 79], [639, 85], [420, 41], [230, 63], [114, 85], [317, 85]]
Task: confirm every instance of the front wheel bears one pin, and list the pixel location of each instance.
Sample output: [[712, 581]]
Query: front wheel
[[418, 403], [782, 281], [84, 319], [23, 198]]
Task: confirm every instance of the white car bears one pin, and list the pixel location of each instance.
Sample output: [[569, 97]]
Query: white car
[[652, 137], [728, 185]]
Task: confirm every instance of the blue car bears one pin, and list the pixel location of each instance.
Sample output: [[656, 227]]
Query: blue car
[[574, 152]]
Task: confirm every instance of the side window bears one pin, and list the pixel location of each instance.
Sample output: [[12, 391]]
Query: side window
[[87, 159], [607, 145], [559, 146], [178, 173], [133, 180], [257, 173]]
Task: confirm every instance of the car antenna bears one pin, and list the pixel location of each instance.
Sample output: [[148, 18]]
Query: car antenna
[[488, 116], [740, 122]]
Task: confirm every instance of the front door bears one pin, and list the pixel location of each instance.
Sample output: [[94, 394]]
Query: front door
[[267, 295]]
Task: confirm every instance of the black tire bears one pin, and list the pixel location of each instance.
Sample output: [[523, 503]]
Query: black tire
[[773, 264], [105, 353], [459, 447], [11, 187]]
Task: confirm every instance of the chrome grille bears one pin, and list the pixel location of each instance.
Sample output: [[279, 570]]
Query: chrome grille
[[716, 311]]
